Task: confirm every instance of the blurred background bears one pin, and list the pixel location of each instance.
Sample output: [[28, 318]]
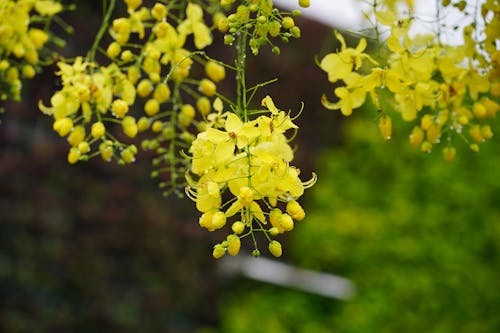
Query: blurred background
[[96, 247]]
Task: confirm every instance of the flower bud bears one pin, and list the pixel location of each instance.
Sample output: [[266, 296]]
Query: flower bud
[[215, 71], [129, 126], [97, 130], [73, 155], [296, 211], [218, 220], [234, 244], [207, 87], [63, 126], [286, 222], [151, 107], [238, 227], [385, 126], [275, 248], [449, 154], [119, 108], [218, 251], [113, 50]]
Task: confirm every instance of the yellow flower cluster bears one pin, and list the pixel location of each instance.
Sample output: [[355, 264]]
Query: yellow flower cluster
[[250, 160], [92, 97], [444, 89], [21, 41], [149, 86], [260, 20], [156, 71]]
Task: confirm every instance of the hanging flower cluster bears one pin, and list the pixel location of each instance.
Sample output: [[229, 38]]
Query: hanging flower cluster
[[260, 20], [149, 68], [233, 167], [23, 37], [446, 90], [90, 98], [250, 160]]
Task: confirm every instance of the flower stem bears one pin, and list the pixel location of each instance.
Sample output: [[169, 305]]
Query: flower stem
[[241, 50], [102, 30]]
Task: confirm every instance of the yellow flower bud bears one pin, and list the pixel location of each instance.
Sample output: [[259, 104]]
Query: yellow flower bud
[[495, 89], [63, 126], [77, 135], [133, 4], [474, 147], [97, 130], [215, 71], [127, 56], [479, 110], [28, 71], [491, 106], [234, 244], [426, 122], [127, 155], [205, 220], [288, 22], [274, 231], [475, 133], [133, 74], [152, 107], [143, 124], [207, 87], [486, 132], [238, 227], [106, 150], [162, 93], [304, 3], [203, 105], [433, 133], [129, 126], [385, 126], [295, 210], [416, 136], [38, 37], [218, 220], [218, 251], [275, 248], [449, 154], [119, 108], [159, 11], [113, 50], [274, 28], [286, 222], [157, 126], [426, 147], [84, 147], [144, 87], [223, 24], [246, 196], [73, 155]]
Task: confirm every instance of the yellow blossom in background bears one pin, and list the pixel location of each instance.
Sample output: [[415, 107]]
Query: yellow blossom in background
[[424, 80], [193, 24]]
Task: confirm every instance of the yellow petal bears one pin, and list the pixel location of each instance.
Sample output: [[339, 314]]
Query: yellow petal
[[269, 104], [386, 17]]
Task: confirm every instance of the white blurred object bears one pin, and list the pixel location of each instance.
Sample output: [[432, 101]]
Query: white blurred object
[[276, 272], [348, 15]]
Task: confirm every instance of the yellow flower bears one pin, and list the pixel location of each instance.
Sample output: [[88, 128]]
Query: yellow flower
[[242, 133], [348, 100], [193, 24], [340, 65]]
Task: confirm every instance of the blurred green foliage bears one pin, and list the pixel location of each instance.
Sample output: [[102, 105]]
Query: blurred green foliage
[[419, 237]]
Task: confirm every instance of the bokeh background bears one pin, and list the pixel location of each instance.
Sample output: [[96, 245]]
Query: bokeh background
[[96, 247]]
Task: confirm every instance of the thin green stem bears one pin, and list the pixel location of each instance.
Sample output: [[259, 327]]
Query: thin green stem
[[241, 91], [102, 30]]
